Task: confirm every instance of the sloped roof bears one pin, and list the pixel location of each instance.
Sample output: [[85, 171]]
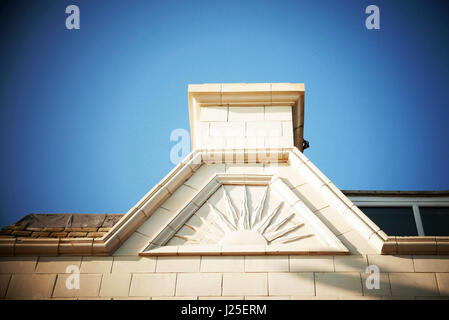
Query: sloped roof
[[61, 225]]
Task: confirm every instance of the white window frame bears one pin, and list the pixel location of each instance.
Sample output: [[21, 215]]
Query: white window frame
[[391, 201]]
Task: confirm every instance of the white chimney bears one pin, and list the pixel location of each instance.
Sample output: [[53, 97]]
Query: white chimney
[[246, 115]]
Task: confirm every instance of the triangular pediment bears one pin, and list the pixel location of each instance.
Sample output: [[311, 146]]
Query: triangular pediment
[[180, 213], [245, 214]]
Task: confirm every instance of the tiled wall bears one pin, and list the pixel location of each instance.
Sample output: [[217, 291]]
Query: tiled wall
[[251, 127], [242, 277]]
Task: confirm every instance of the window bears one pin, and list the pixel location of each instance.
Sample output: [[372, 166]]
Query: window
[[435, 220], [402, 213], [398, 221]]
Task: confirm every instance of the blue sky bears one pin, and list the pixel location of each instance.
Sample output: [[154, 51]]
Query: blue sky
[[86, 114]]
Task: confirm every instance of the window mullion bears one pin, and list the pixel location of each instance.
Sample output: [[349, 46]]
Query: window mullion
[[418, 221]]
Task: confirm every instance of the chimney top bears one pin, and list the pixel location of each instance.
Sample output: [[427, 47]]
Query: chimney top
[[253, 114]]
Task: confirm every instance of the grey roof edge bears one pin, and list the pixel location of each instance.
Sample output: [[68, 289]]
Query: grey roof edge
[[393, 193]]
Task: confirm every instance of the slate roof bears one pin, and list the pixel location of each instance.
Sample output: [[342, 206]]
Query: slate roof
[[61, 225]]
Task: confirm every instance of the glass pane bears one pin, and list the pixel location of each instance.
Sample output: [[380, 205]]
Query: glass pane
[[394, 221], [435, 220]]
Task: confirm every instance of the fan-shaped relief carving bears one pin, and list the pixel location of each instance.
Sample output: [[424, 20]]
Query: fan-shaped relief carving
[[257, 211], [242, 222]]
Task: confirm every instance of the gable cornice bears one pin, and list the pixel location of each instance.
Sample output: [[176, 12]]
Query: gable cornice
[[161, 191]]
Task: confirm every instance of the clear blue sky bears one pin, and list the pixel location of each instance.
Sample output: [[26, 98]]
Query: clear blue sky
[[86, 114]]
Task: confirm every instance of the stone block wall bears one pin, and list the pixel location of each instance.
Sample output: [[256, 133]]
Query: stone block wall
[[237, 277]]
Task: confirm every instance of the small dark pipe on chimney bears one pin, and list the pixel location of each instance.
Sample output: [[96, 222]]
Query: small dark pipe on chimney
[[305, 144]]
